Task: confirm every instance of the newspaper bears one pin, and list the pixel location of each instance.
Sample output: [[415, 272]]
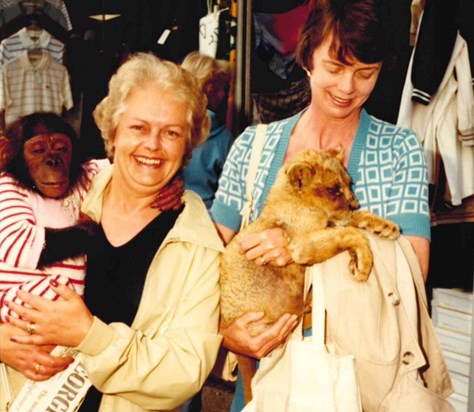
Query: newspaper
[[65, 391]]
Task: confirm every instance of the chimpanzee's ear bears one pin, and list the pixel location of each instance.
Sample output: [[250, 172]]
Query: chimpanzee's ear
[[4, 152], [300, 174]]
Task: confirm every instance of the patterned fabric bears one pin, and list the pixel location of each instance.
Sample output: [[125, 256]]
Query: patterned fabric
[[16, 44], [387, 166], [270, 107], [26, 88], [24, 215]]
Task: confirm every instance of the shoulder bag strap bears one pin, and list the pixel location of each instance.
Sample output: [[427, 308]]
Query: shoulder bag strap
[[318, 310], [252, 173], [5, 382]]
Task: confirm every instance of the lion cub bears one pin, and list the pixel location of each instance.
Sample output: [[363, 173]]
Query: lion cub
[[313, 202]]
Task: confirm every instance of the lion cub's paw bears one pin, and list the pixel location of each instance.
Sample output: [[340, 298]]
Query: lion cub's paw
[[302, 252], [381, 227], [361, 263]]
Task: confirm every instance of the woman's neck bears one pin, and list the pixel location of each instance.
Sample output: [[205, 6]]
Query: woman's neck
[[318, 132], [125, 213], [328, 133], [126, 200]]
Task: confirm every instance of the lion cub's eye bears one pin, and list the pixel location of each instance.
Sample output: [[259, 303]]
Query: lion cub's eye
[[335, 190]]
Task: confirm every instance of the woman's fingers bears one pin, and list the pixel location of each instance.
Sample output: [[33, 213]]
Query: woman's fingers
[[276, 334], [36, 363], [26, 317], [35, 304], [63, 322], [238, 339], [40, 372], [52, 364], [43, 369], [267, 247]]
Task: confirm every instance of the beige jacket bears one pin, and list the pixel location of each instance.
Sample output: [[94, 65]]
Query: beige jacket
[[385, 324], [168, 352]]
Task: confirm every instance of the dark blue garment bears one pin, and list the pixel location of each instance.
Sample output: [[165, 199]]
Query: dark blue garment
[[203, 171]]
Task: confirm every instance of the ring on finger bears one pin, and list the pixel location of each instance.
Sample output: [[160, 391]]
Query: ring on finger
[[37, 367], [31, 328]]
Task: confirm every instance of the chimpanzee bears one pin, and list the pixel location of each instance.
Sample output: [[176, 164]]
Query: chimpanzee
[[42, 232]]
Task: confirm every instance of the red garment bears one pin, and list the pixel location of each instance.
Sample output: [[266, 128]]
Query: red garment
[[24, 215]]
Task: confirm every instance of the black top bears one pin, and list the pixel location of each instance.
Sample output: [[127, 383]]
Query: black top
[[116, 276]]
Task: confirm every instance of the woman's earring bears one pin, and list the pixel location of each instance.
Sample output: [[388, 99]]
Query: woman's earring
[[307, 72]]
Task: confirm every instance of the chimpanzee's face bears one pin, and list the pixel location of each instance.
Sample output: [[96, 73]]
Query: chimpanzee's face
[[48, 159]]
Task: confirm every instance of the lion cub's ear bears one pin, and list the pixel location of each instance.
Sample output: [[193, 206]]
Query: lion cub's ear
[[337, 153], [300, 174]]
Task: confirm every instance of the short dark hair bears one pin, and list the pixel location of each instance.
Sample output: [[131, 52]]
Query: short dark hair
[[26, 127], [356, 28]]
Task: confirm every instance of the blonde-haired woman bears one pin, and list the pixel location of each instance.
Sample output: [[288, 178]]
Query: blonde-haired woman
[[205, 166], [147, 328]]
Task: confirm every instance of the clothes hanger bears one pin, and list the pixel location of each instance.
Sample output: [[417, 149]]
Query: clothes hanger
[[30, 6], [33, 30], [35, 55]]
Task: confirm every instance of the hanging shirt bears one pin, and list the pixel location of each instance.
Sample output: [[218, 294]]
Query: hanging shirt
[[22, 40], [27, 87], [56, 9]]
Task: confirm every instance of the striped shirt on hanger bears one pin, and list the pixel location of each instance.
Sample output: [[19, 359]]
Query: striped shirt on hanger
[[58, 4], [28, 86], [24, 39]]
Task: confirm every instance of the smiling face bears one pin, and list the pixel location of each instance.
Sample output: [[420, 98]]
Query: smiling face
[[48, 159], [151, 139], [339, 90]]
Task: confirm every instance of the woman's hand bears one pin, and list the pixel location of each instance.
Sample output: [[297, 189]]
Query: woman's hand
[[169, 197], [34, 362], [269, 246], [63, 322], [238, 339]]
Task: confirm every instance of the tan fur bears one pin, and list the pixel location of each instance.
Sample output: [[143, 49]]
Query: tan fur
[[313, 202]]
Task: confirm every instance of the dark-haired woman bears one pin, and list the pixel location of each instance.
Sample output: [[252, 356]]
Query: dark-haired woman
[[342, 48]]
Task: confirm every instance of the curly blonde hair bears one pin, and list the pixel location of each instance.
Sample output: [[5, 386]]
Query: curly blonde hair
[[205, 68], [143, 70]]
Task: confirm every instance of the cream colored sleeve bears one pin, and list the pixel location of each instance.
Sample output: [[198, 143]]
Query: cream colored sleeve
[[167, 354]]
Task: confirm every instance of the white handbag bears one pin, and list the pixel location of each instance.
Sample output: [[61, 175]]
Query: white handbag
[[303, 376]]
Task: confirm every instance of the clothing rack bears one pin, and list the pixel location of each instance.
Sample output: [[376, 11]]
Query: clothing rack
[[242, 101]]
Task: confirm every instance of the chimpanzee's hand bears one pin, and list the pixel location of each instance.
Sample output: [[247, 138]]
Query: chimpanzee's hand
[[69, 242], [169, 197], [87, 225]]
